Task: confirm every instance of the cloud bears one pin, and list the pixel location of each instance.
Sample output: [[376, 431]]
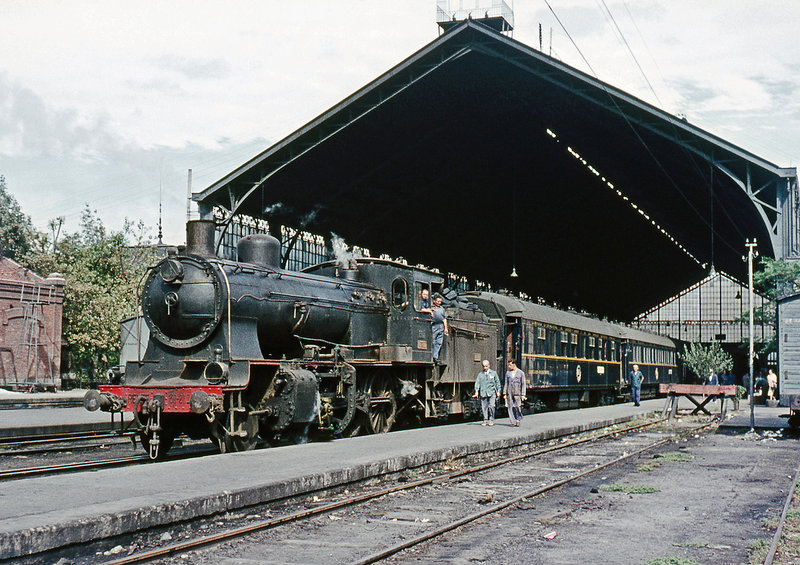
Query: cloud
[[28, 128], [57, 160], [204, 69]]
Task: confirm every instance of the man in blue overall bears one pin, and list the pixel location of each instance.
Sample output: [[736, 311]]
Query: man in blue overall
[[438, 326]]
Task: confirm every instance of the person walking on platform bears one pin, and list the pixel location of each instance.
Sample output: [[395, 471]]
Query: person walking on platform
[[772, 384], [514, 391], [635, 379], [487, 387], [438, 326]]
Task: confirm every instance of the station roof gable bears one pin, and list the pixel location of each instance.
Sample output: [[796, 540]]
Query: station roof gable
[[478, 154]]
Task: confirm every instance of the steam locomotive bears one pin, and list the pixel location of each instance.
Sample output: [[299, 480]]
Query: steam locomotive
[[238, 351]]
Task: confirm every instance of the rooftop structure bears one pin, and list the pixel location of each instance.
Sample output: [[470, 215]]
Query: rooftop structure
[[484, 156]]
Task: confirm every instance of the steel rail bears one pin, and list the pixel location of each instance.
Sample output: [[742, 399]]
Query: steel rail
[[773, 548], [38, 448], [32, 471], [84, 465], [517, 499], [267, 524], [55, 438]]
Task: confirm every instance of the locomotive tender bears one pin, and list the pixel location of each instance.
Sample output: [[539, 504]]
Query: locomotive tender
[[241, 350]]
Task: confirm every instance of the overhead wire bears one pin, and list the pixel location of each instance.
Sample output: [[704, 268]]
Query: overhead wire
[[636, 133]]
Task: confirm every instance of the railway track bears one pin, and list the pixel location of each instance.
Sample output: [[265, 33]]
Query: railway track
[[191, 450], [69, 467], [412, 511], [769, 558], [48, 444]]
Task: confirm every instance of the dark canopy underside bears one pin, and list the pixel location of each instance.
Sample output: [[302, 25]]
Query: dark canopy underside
[[447, 160]]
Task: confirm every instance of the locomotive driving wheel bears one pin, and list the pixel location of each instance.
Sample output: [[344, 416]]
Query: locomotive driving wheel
[[246, 440], [380, 405]]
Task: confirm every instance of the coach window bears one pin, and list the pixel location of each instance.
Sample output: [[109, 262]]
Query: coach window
[[400, 293], [541, 341]]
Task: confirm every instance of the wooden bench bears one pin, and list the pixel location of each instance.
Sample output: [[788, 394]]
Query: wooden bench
[[710, 392]]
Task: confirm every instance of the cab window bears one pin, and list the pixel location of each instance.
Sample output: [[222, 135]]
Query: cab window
[[400, 293], [418, 295]]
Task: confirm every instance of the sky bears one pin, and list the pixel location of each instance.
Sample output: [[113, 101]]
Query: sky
[[108, 103]]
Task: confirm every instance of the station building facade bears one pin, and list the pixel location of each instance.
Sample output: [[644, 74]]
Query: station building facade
[[30, 328], [714, 309]]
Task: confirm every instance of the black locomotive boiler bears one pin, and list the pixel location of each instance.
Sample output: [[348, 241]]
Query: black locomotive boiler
[[241, 350]]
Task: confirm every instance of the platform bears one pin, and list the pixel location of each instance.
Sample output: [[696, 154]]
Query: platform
[[47, 413], [766, 418], [12, 399], [38, 513]]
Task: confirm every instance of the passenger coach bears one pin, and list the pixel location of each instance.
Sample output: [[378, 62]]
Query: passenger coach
[[572, 360]]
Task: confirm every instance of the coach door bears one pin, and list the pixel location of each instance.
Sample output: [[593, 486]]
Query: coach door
[[513, 344]]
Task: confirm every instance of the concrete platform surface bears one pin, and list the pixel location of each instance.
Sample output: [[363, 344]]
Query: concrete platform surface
[[28, 422], [41, 513], [10, 399], [764, 417]]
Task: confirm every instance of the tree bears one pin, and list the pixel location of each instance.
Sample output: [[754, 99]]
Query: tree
[[102, 274], [16, 230], [701, 360], [776, 277], [772, 279]]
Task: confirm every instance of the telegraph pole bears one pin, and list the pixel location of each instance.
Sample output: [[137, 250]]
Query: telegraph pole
[[751, 252]]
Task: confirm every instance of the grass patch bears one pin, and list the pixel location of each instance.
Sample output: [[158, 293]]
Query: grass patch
[[771, 522], [758, 551], [647, 466], [678, 456], [629, 488], [693, 544], [673, 560]]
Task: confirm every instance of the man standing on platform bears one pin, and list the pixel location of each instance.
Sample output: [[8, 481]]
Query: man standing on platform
[[487, 387], [636, 377], [514, 391]]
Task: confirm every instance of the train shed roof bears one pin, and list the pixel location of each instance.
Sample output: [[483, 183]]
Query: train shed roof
[[479, 154]]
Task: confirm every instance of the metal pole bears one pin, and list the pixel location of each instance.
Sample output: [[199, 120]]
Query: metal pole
[[750, 247], [189, 197]]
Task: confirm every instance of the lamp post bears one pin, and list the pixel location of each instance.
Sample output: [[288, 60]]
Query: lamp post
[[751, 252]]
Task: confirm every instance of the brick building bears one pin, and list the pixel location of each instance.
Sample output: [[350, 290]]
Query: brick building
[[30, 328]]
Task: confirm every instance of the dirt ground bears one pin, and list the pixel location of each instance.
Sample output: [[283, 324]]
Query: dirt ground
[[712, 495]]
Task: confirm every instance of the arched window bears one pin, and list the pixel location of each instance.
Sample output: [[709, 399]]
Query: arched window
[[400, 293]]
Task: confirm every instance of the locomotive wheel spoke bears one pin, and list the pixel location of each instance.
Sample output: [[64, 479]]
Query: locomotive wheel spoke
[[382, 407]]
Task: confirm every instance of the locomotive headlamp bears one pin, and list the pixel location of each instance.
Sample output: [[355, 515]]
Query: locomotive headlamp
[[199, 403], [216, 371], [171, 271]]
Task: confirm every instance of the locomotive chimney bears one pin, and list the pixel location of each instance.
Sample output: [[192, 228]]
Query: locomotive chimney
[[200, 238], [260, 249]]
